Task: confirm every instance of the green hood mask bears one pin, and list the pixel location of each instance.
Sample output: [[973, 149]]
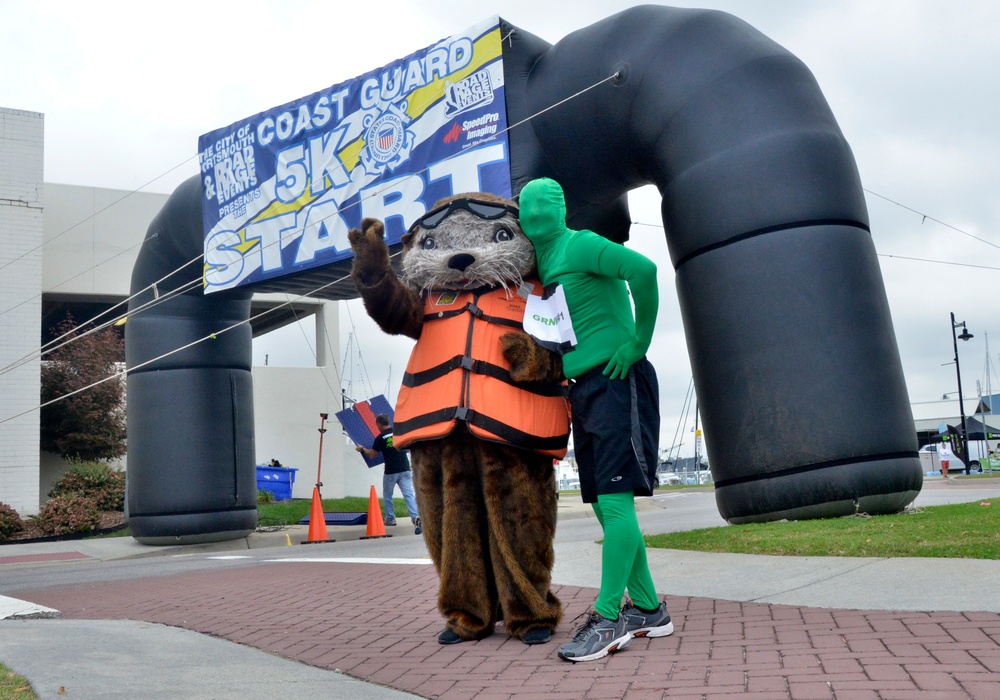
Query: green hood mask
[[543, 212]]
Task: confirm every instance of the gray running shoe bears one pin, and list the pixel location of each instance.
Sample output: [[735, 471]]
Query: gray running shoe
[[597, 638], [644, 624], [417, 529]]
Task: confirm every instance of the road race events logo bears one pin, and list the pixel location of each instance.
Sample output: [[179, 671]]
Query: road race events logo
[[474, 91]]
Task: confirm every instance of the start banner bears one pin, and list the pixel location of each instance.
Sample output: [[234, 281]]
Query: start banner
[[282, 188]]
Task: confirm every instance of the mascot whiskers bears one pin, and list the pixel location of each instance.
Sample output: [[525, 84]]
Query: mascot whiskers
[[481, 409]]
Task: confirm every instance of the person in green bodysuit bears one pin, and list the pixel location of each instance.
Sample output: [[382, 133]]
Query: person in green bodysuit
[[615, 402]]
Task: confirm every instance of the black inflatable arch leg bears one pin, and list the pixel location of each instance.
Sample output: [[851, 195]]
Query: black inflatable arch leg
[[191, 462], [785, 313]]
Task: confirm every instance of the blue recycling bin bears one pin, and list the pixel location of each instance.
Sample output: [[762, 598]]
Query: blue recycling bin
[[277, 480]]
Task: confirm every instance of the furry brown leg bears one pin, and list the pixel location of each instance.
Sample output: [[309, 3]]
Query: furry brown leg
[[425, 461], [450, 483], [520, 498]]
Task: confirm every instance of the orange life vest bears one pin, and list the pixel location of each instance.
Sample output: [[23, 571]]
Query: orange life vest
[[457, 372]]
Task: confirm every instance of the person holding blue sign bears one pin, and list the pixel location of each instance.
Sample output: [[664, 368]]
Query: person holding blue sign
[[397, 471]]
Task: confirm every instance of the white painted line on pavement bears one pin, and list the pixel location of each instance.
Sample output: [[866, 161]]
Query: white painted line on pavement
[[13, 608], [358, 560]]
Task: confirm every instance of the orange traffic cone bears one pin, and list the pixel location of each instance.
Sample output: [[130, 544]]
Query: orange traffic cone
[[376, 528], [317, 521]]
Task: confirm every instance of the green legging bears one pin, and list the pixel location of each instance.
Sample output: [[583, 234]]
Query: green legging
[[623, 557]]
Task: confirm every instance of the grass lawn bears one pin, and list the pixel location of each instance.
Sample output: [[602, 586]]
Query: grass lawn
[[14, 687], [291, 512], [963, 530]]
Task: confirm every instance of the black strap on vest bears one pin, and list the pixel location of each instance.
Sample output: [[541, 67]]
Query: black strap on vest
[[506, 433], [473, 309], [480, 367]]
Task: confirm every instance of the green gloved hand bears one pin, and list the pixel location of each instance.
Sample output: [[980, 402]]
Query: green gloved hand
[[623, 359]]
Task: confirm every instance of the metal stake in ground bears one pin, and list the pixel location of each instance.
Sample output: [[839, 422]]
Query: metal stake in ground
[[317, 519], [319, 464]]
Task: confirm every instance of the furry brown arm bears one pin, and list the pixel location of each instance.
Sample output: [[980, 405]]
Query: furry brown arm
[[529, 361], [395, 307]]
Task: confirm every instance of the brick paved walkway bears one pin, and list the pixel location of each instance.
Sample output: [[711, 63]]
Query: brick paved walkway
[[379, 623]]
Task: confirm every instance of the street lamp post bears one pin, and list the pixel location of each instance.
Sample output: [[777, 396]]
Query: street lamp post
[[964, 437]]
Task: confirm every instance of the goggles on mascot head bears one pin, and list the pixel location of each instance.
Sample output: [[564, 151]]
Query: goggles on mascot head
[[484, 210]]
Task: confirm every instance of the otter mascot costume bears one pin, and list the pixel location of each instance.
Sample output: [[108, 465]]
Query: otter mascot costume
[[482, 409]]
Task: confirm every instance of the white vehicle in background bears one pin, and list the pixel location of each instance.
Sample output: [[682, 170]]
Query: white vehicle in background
[[979, 460]]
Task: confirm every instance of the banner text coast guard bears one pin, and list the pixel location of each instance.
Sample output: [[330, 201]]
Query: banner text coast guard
[[282, 188]]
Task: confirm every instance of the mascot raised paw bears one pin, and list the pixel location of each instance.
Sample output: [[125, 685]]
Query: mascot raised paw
[[482, 409]]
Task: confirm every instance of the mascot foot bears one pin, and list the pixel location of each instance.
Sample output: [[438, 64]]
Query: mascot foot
[[537, 635], [448, 637]]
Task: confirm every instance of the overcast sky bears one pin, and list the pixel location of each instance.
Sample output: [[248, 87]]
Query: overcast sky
[[126, 91]]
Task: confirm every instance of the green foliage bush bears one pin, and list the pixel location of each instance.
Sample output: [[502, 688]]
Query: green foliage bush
[[10, 521], [98, 482], [68, 515], [264, 497], [89, 425]]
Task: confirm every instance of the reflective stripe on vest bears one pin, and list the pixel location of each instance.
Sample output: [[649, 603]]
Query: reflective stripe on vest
[[457, 372]]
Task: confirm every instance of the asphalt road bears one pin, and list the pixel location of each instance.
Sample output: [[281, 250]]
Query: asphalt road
[[666, 511]]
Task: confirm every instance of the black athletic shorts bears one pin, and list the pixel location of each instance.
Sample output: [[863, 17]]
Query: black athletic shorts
[[616, 431]]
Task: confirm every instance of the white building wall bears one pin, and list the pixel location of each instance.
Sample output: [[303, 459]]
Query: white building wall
[[288, 402], [21, 226], [92, 238]]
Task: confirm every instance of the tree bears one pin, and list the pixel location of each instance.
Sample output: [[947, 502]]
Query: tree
[[89, 426]]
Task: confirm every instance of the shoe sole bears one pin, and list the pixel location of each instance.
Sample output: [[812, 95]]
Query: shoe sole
[[615, 645], [448, 641], [661, 631]]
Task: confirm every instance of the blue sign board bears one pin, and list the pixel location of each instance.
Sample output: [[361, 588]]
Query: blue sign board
[[282, 188]]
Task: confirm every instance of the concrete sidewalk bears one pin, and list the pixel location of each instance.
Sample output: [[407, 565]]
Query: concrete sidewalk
[[756, 627], [128, 659]]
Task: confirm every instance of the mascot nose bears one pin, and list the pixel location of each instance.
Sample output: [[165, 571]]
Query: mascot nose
[[461, 261]]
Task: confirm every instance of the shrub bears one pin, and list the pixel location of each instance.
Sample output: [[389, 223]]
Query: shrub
[[98, 482], [68, 515], [265, 497], [10, 521], [91, 424]]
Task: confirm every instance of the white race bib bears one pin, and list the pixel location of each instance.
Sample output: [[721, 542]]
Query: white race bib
[[547, 320]]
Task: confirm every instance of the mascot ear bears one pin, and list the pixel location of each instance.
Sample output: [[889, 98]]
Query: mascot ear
[[407, 239]]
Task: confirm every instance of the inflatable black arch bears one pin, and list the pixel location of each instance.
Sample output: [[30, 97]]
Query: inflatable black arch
[[785, 313]]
